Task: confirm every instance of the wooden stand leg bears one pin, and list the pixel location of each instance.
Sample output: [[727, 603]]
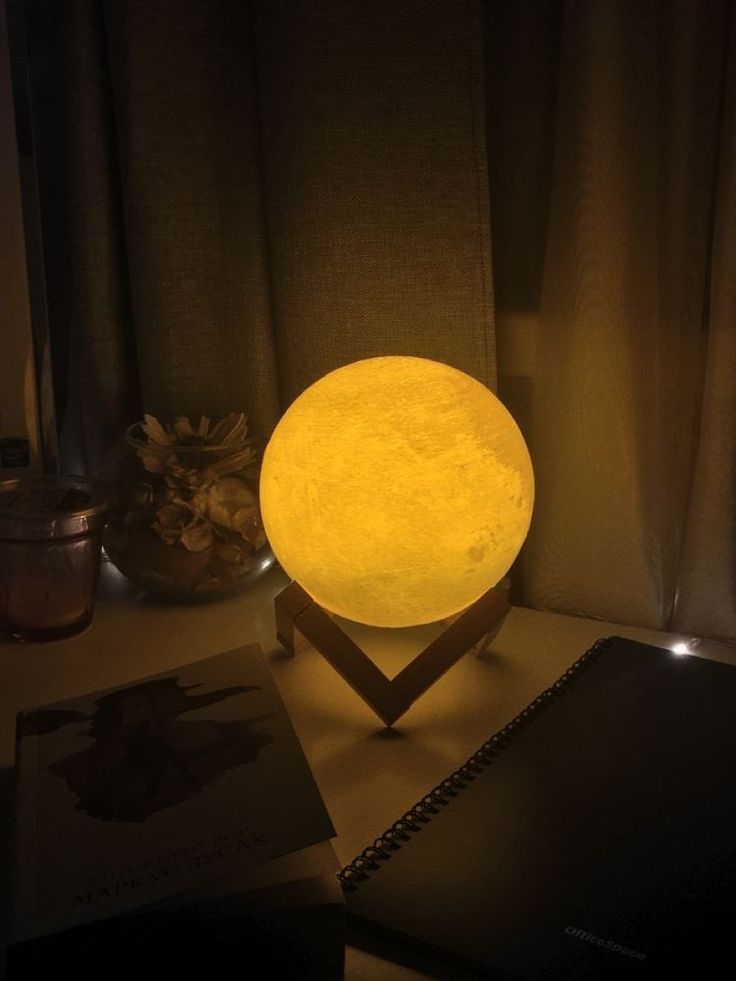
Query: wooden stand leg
[[296, 612], [290, 604]]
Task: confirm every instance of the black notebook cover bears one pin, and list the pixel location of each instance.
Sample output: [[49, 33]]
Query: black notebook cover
[[594, 837]]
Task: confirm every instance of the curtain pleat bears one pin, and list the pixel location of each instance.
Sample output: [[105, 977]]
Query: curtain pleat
[[602, 342], [183, 94], [376, 183], [93, 343], [707, 586]]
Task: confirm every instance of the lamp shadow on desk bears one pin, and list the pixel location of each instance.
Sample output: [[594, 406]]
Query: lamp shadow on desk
[[379, 761]]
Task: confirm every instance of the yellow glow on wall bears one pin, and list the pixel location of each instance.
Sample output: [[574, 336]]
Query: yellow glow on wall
[[396, 491]]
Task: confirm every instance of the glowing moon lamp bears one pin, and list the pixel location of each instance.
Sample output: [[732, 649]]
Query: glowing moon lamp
[[396, 491]]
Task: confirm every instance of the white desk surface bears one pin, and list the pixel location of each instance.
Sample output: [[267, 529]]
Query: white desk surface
[[368, 775]]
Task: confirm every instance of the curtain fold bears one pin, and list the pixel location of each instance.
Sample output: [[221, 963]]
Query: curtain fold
[[374, 155], [602, 337], [706, 602], [183, 91], [93, 343]]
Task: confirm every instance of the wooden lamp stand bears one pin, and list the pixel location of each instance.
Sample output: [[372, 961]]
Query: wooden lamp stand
[[297, 613]]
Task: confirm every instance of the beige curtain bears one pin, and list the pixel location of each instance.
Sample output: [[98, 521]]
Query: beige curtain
[[613, 229], [707, 584], [241, 196]]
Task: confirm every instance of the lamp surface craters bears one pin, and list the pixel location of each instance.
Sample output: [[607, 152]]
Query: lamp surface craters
[[396, 491]]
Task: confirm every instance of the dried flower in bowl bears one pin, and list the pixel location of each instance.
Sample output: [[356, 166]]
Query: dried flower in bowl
[[194, 491]]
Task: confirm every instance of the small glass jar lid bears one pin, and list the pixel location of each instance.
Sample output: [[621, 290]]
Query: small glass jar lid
[[38, 507]]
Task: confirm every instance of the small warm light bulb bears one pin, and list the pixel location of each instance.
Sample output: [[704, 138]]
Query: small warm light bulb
[[396, 491], [680, 648]]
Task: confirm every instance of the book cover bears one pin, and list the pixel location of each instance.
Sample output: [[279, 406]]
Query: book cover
[[594, 836], [140, 792], [283, 918]]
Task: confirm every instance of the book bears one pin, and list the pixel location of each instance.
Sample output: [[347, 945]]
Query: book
[[284, 918], [594, 836], [135, 794]]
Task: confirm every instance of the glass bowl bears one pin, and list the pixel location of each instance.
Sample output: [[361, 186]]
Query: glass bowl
[[187, 522]]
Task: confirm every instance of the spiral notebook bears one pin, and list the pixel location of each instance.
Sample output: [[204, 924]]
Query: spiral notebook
[[594, 837]]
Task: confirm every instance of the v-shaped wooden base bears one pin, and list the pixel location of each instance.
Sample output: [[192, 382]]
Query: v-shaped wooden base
[[297, 612]]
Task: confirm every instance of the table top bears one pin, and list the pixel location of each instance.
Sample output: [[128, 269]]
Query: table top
[[368, 775]]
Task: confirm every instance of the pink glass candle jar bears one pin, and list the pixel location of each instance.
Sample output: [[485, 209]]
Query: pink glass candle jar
[[50, 541]]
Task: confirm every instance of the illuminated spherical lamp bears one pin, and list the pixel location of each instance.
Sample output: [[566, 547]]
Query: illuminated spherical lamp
[[396, 491]]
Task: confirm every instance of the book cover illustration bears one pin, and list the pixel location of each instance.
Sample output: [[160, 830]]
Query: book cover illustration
[[137, 793]]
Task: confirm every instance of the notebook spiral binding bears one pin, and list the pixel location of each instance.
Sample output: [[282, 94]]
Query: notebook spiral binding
[[369, 860]]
